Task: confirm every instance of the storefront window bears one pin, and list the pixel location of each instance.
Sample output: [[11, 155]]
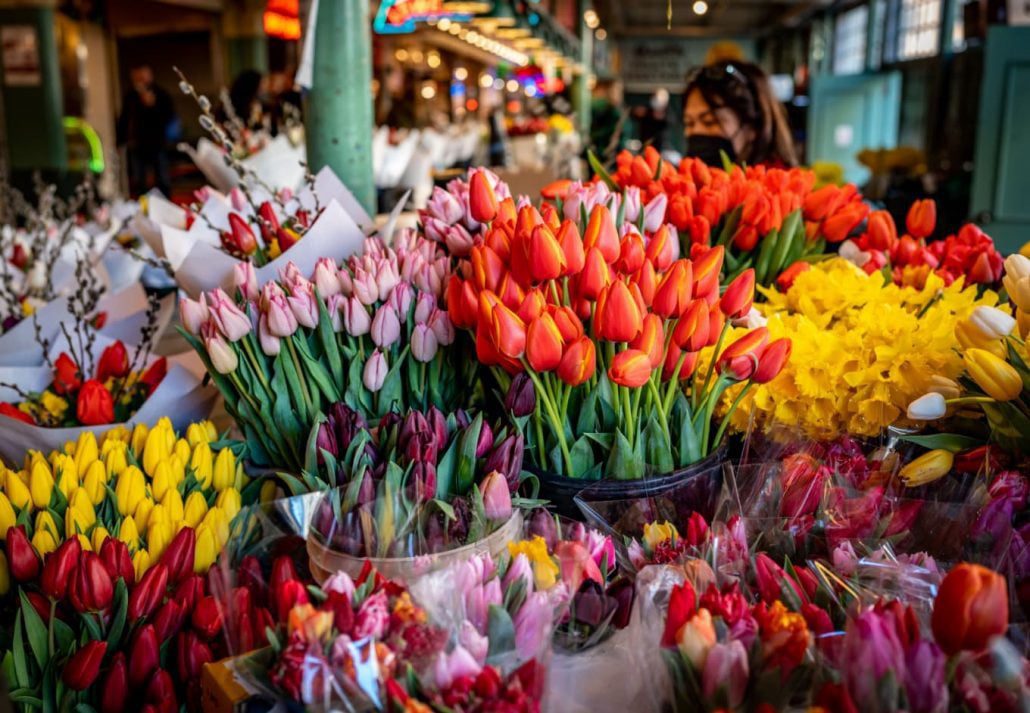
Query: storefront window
[[849, 41], [919, 29]]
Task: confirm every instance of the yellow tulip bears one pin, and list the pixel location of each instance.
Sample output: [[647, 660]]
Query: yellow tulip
[[229, 501], [927, 468], [45, 521], [5, 575], [177, 469], [969, 337], [7, 516], [159, 534], [140, 563], [268, 491], [995, 376], [154, 451], [216, 521], [162, 480], [142, 514], [195, 509], [84, 542], [205, 552], [224, 470], [66, 473], [117, 437], [183, 450], [173, 505], [201, 463], [138, 439], [129, 534], [17, 491], [657, 532], [41, 484], [44, 542], [95, 482], [129, 490], [196, 434], [1023, 323], [115, 462], [68, 449], [80, 515], [100, 534], [212, 432], [86, 451]]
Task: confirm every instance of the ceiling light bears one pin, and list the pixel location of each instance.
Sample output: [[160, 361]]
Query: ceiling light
[[601, 34], [512, 85], [700, 7], [590, 17], [433, 60], [461, 74], [444, 23], [498, 84], [401, 55], [485, 80], [416, 56], [428, 91]]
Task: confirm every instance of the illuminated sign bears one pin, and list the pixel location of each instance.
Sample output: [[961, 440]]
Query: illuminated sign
[[400, 16], [282, 19]]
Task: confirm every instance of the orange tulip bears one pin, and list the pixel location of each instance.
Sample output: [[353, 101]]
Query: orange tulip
[[716, 321], [533, 305], [631, 254], [543, 344], [482, 200], [661, 250], [651, 340], [551, 218], [839, 225], [880, 230], [546, 259], [741, 358], [462, 302], [787, 277], [921, 218], [972, 606], [602, 234], [568, 323], [691, 330], [706, 271], [647, 281], [672, 358], [618, 317], [556, 189], [631, 368], [506, 213], [774, 358], [572, 246], [821, 203], [672, 297], [578, 363], [595, 275], [485, 311], [736, 300], [510, 292], [529, 217], [497, 240], [487, 267], [508, 332], [486, 350]]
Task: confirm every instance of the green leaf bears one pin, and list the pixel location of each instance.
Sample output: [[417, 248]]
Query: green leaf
[[465, 473], [36, 631], [329, 347], [64, 637], [445, 471], [21, 669], [727, 165], [658, 448], [729, 227], [120, 607], [587, 419], [311, 448], [953, 442], [582, 454], [445, 508], [25, 698], [622, 461], [501, 632], [598, 168]]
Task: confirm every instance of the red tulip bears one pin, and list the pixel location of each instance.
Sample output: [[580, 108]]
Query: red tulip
[[771, 579], [482, 199], [58, 568], [618, 317], [691, 330], [646, 281], [839, 225], [115, 690], [672, 358], [288, 595], [745, 238], [508, 332], [572, 247], [543, 344], [462, 302], [602, 234], [12, 411], [160, 692], [189, 591], [148, 592], [67, 378], [546, 259], [207, 617], [972, 607], [94, 406], [192, 655], [595, 276], [144, 656], [178, 556], [578, 363], [91, 588], [41, 604], [787, 277], [631, 254], [82, 669], [488, 269], [169, 619], [672, 297], [822, 202], [881, 233], [116, 558], [567, 322], [556, 189], [661, 250], [651, 340], [706, 271], [506, 212], [774, 357], [741, 357], [114, 362], [631, 368], [239, 239], [154, 374], [22, 559], [736, 300], [533, 305], [922, 218], [682, 606]]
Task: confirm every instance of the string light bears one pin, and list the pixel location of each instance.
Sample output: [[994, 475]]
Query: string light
[[700, 7]]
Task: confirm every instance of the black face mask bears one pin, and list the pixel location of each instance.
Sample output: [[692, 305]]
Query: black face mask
[[707, 148]]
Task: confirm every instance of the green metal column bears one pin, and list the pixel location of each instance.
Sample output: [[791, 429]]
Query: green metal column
[[247, 53], [339, 106], [581, 94]]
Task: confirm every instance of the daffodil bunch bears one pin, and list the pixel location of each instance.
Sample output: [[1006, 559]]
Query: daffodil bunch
[[863, 350], [996, 366], [140, 486]]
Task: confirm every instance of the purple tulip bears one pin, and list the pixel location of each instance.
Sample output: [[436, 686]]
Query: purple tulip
[[424, 344], [422, 482], [486, 440], [726, 669], [374, 373], [326, 279], [506, 458], [414, 423], [193, 313], [925, 678], [478, 600], [420, 447], [326, 441], [386, 327], [541, 524], [591, 605], [872, 649], [632, 203], [437, 423], [521, 397], [496, 497], [532, 624], [654, 212], [227, 317], [458, 528], [623, 593]]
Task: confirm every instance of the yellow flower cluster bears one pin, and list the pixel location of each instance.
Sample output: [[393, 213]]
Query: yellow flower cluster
[[141, 486], [545, 569], [862, 351]]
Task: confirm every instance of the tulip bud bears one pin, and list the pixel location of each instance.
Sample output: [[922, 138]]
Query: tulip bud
[[178, 556], [115, 689], [496, 497], [192, 655], [193, 314], [82, 669], [423, 343], [58, 568], [374, 374], [991, 322], [144, 656], [222, 355], [994, 375], [928, 407], [22, 558], [91, 588], [521, 397], [972, 607], [160, 692], [148, 592], [927, 468], [41, 484], [207, 617], [206, 551]]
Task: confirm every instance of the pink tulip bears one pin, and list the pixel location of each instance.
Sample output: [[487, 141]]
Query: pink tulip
[[458, 241], [632, 211], [424, 306], [400, 300], [346, 282], [457, 664], [341, 583], [227, 317], [365, 287], [436, 229], [335, 306], [443, 328], [475, 643], [269, 342], [602, 549], [325, 278], [387, 278], [304, 304], [445, 207], [282, 322], [193, 313], [238, 200], [244, 279], [290, 273], [386, 327], [355, 318], [496, 496], [203, 193], [223, 357], [726, 669], [654, 212], [374, 374], [576, 565], [423, 343], [478, 601], [532, 624], [519, 569]]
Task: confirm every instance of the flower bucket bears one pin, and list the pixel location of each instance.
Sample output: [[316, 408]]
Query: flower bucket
[[324, 561], [568, 496]]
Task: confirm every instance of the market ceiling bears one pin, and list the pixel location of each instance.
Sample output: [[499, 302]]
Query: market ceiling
[[648, 18]]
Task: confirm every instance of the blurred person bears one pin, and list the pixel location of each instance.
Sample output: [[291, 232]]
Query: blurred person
[[396, 105], [654, 120], [248, 94], [730, 108], [146, 128], [607, 117]]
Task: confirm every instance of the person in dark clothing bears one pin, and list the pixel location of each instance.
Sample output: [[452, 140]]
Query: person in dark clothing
[[144, 128], [247, 94], [607, 118], [654, 120]]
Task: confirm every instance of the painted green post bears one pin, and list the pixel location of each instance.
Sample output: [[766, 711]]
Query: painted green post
[[581, 96], [339, 105]]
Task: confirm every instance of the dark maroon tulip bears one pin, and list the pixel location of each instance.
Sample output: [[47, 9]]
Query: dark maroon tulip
[[148, 592], [207, 617], [116, 558], [178, 556], [21, 555], [192, 654], [189, 591], [58, 568], [506, 458], [91, 588], [168, 619], [521, 397], [84, 666], [486, 440], [144, 656], [115, 690], [160, 692]]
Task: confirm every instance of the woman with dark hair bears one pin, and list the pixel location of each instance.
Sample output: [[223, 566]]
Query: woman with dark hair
[[246, 95], [729, 108]]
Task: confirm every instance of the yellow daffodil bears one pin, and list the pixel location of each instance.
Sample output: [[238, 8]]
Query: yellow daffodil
[[16, 490], [129, 490], [141, 563], [994, 375], [94, 483], [206, 550], [41, 484], [7, 516], [44, 542], [86, 451], [658, 532], [545, 569], [224, 470], [53, 405], [927, 468], [195, 509], [202, 465]]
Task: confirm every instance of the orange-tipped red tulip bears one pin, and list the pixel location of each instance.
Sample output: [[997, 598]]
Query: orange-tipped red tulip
[[556, 189], [741, 358], [672, 297], [595, 275], [651, 340], [661, 250], [508, 332], [736, 300], [691, 331], [706, 271], [543, 344], [921, 219], [572, 246], [483, 204], [774, 357], [567, 322], [631, 368], [602, 234], [881, 231], [546, 259], [618, 317], [971, 608], [578, 363]]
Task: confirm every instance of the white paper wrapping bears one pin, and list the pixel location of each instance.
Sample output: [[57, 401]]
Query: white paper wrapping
[[329, 187], [279, 164]]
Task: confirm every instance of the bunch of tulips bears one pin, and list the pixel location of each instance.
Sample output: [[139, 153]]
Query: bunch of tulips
[[263, 237], [605, 324], [367, 333]]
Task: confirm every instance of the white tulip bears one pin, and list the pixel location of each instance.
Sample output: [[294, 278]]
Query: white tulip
[[991, 322], [928, 407]]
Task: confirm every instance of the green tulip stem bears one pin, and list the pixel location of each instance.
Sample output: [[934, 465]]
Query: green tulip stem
[[662, 419], [674, 381], [970, 400], [248, 350], [631, 431], [306, 397], [715, 357], [540, 437], [726, 419], [559, 426]]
